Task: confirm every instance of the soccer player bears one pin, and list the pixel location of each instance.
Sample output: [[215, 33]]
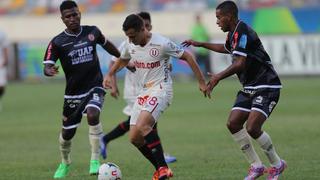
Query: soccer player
[[130, 93], [260, 93], [3, 64], [75, 47], [150, 54]]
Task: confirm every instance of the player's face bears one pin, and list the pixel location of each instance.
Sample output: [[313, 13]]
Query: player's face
[[222, 20], [147, 24], [71, 18], [136, 37]]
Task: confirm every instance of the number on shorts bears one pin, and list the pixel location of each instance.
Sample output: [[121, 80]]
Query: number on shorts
[[96, 97], [153, 101]]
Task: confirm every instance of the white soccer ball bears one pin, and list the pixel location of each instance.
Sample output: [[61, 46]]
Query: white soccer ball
[[109, 171]]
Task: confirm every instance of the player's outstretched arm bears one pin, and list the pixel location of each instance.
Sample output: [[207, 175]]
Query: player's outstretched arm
[[118, 65], [50, 70], [115, 91], [196, 70], [112, 49], [237, 66], [211, 46]]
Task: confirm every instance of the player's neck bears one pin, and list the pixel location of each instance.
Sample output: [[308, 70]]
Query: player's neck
[[146, 39], [234, 25], [74, 31]]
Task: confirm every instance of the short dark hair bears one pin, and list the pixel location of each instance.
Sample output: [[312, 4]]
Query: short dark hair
[[67, 5], [144, 15], [228, 7], [133, 21]]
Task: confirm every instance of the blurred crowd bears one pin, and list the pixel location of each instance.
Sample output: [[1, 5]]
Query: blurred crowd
[[43, 7]]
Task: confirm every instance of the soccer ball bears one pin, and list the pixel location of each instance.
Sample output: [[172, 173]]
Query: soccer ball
[[109, 171]]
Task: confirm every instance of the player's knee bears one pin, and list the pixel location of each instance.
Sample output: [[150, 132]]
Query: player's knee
[[68, 134], [253, 131], [233, 127], [93, 117]]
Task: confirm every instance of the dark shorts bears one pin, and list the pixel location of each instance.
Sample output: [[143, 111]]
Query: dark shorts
[[75, 106], [262, 100]]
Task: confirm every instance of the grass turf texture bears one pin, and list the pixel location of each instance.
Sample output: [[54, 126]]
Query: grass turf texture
[[192, 129]]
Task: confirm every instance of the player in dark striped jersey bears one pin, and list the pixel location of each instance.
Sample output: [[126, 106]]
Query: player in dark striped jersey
[[260, 93], [75, 47]]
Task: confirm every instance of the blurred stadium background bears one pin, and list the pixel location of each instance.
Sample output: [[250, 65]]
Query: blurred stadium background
[[29, 121], [289, 29]]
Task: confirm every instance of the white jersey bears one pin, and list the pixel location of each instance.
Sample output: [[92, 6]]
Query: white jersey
[[152, 60]]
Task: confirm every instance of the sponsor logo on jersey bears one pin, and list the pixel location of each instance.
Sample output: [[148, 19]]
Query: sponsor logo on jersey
[[154, 52], [81, 55], [91, 37], [149, 65], [80, 43]]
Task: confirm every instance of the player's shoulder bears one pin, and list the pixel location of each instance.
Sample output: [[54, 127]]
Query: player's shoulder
[[159, 39], [59, 38]]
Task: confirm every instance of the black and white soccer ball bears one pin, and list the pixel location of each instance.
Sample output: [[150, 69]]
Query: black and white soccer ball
[[109, 171]]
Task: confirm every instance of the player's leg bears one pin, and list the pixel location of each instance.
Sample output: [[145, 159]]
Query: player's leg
[[70, 122], [261, 110], [92, 110], [167, 157], [2, 89], [237, 118], [118, 131]]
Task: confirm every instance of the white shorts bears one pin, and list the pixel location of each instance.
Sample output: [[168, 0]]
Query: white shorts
[[3, 76], [154, 100]]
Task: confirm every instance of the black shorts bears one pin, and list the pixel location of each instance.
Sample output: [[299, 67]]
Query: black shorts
[[262, 100], [75, 106]]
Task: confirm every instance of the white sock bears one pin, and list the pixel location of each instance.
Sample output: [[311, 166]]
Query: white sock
[[95, 132], [266, 144], [65, 149], [244, 140]]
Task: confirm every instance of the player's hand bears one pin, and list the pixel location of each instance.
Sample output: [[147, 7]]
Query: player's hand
[[191, 42], [214, 80], [107, 82], [51, 70], [203, 88], [115, 92]]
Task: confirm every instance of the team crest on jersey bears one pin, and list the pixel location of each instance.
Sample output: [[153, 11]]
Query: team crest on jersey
[[91, 37], [154, 52]]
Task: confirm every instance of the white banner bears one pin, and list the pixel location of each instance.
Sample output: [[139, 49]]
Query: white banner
[[290, 55]]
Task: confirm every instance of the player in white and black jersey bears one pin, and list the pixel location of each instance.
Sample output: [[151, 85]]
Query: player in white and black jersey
[[150, 54], [260, 93], [75, 47], [130, 92]]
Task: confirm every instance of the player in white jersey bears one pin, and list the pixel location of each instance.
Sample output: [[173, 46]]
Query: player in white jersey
[[130, 93], [3, 63], [150, 53]]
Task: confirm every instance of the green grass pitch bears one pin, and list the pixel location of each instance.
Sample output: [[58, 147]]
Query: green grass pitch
[[192, 129]]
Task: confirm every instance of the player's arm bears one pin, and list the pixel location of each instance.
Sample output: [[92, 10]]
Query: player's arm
[[5, 53], [237, 65], [211, 46], [196, 70], [118, 65], [50, 58], [111, 49], [115, 91]]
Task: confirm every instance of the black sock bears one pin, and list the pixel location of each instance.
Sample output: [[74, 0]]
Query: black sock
[[118, 131], [147, 153], [154, 144]]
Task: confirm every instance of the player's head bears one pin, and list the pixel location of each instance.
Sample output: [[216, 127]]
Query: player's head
[[147, 19], [70, 14], [226, 13], [133, 27]]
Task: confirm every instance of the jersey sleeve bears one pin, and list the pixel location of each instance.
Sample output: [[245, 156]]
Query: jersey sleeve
[[172, 49], [125, 51], [51, 55], [240, 40]]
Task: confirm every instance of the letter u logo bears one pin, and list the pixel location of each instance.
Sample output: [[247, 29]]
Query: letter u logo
[[154, 52]]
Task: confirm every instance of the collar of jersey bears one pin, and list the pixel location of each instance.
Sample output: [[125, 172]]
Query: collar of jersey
[[76, 35]]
